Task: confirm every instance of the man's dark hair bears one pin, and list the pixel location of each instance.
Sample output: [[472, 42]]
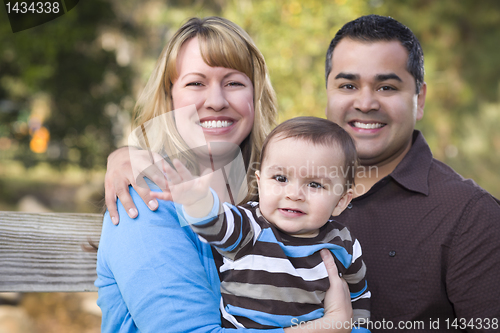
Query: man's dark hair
[[374, 28], [318, 131]]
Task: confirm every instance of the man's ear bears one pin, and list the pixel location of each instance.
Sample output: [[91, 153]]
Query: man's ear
[[343, 202], [421, 101]]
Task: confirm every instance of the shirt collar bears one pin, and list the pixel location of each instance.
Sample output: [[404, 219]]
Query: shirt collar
[[413, 171]]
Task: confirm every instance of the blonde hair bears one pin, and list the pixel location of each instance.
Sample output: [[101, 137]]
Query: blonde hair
[[222, 44]]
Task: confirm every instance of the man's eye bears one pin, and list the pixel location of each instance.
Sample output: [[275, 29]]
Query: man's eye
[[386, 88], [315, 185], [347, 86], [280, 178]]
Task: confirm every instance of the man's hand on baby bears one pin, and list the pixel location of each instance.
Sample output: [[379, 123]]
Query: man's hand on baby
[[337, 299], [338, 307], [185, 188]]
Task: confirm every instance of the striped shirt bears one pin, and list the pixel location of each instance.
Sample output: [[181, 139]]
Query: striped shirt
[[270, 279]]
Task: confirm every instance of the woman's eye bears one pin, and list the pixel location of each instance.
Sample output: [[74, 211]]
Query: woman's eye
[[280, 178], [235, 84], [315, 185], [194, 84]]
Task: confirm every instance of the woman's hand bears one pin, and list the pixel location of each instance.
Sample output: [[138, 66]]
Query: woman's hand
[[121, 173], [338, 309]]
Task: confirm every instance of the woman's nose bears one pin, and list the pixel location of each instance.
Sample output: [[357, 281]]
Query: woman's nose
[[366, 100], [216, 99]]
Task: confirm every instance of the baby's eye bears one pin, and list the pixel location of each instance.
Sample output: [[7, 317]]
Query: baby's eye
[[280, 178], [315, 185]]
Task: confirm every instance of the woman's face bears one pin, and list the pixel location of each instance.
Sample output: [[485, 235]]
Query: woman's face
[[222, 97]]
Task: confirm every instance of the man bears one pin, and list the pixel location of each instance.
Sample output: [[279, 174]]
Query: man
[[430, 238]]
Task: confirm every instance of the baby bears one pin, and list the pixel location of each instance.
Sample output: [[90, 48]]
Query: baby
[[273, 274]]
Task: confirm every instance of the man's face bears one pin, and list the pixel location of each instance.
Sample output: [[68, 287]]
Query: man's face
[[373, 97]]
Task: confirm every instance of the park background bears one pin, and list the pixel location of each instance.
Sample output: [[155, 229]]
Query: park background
[[68, 89]]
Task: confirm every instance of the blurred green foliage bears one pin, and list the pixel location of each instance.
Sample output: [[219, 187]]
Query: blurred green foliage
[[91, 64], [61, 65]]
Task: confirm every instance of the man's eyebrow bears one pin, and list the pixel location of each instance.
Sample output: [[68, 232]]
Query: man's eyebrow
[[378, 77], [385, 77], [347, 76]]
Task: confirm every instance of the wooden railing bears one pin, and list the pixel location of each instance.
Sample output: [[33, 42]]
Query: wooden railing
[[44, 252]]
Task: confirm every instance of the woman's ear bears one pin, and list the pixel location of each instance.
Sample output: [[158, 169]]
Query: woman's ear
[[343, 202]]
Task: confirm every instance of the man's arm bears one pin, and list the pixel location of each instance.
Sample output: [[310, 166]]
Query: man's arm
[[473, 266]]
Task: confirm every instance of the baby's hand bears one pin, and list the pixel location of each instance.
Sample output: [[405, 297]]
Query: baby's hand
[[185, 188]]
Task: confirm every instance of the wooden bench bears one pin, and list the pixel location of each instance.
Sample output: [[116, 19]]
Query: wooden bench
[[44, 252]]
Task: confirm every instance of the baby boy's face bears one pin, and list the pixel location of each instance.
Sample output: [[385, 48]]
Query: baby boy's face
[[301, 185]]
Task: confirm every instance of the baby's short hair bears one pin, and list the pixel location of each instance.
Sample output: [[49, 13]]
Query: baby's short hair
[[320, 132]]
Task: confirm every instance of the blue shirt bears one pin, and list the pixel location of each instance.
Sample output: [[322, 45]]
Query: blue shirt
[[156, 276]]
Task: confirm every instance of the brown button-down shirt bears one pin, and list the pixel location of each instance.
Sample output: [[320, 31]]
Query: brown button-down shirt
[[431, 244]]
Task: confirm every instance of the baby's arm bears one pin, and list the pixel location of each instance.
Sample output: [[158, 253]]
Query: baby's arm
[[219, 225], [231, 232], [191, 192], [358, 287]]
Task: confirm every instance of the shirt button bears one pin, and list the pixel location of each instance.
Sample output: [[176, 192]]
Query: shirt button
[[349, 206], [392, 253]]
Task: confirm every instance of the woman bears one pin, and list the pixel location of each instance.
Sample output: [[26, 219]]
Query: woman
[[153, 275]]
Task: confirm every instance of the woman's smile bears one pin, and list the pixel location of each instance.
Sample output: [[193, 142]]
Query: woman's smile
[[217, 125]]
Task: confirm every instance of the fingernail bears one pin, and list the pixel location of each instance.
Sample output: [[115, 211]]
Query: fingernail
[[132, 213], [153, 204], [115, 220]]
